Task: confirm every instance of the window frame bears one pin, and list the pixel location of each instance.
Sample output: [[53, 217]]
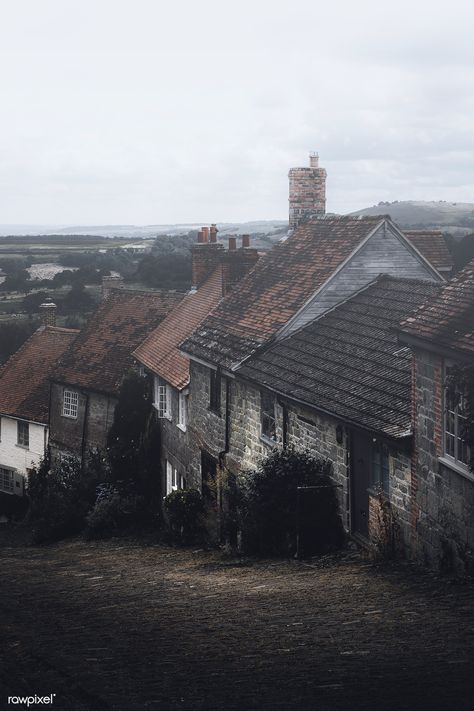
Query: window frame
[[268, 414], [174, 480], [72, 405], [182, 410], [162, 402], [380, 470], [456, 417], [23, 440], [4, 472]]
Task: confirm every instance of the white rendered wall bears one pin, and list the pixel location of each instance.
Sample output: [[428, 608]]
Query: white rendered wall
[[14, 456]]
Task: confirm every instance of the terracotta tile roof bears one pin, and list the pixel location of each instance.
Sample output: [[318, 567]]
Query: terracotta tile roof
[[432, 245], [24, 378], [278, 285], [447, 320], [349, 362], [160, 352], [102, 353]]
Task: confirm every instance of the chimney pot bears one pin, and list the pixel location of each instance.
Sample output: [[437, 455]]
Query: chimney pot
[[200, 237], [313, 160], [232, 244], [245, 240], [213, 233], [205, 234]]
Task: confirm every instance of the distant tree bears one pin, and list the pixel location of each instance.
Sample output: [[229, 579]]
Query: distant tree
[[17, 281], [13, 335], [168, 271], [463, 252], [32, 302], [77, 300]]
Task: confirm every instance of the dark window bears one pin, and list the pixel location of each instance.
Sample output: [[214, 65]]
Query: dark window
[[23, 433], [215, 391], [380, 467], [267, 409], [455, 420]]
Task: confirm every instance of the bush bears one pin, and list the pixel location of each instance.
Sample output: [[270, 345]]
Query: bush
[[272, 514], [114, 511], [61, 497], [185, 512]]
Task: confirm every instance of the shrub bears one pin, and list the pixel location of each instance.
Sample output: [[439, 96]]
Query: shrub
[[113, 512], [272, 514], [185, 511], [61, 497]]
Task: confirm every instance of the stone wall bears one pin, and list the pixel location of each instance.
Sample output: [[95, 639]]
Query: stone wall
[[307, 194], [442, 492], [86, 431]]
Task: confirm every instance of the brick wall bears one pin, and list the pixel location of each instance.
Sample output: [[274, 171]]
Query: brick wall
[[443, 513], [307, 193]]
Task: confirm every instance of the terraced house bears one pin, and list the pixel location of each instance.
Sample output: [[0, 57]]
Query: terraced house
[[24, 404], [216, 271], [87, 378], [325, 276], [441, 336]]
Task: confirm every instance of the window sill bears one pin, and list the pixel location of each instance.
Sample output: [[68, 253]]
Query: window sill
[[23, 446], [69, 417], [269, 442], [181, 427], [458, 468], [214, 411]]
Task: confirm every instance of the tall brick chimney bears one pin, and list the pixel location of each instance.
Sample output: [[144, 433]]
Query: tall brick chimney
[[307, 192], [205, 255], [48, 311]]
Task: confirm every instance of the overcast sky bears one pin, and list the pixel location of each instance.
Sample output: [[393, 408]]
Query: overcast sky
[[144, 111]]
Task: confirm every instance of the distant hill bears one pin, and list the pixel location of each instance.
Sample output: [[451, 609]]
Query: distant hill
[[454, 217], [133, 232]]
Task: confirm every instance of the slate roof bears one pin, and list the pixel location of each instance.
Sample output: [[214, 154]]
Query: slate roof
[[102, 353], [278, 285], [24, 378], [432, 245], [160, 352], [349, 362], [447, 320]]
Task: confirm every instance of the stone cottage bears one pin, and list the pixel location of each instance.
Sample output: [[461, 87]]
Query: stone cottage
[[24, 403], [325, 262], [441, 335], [86, 382], [215, 272]]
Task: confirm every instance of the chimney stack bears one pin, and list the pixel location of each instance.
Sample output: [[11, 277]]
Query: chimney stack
[[245, 240], [307, 192], [48, 313], [206, 255], [109, 283], [232, 244]]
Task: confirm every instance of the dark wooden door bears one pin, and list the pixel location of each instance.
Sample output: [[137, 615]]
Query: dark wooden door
[[360, 482]]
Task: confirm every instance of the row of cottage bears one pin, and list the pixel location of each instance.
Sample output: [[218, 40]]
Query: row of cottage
[[337, 340]]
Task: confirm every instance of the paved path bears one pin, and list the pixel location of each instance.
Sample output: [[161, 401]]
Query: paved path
[[112, 626]]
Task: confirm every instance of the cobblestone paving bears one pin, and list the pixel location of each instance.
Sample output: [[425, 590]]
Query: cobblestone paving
[[115, 625]]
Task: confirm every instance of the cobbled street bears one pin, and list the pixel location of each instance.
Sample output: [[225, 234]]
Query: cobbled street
[[115, 625]]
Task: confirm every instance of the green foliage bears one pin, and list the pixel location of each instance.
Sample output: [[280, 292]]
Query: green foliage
[[13, 335], [17, 281], [167, 271], [264, 504], [32, 302], [113, 512], [60, 497], [77, 300], [185, 512]]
